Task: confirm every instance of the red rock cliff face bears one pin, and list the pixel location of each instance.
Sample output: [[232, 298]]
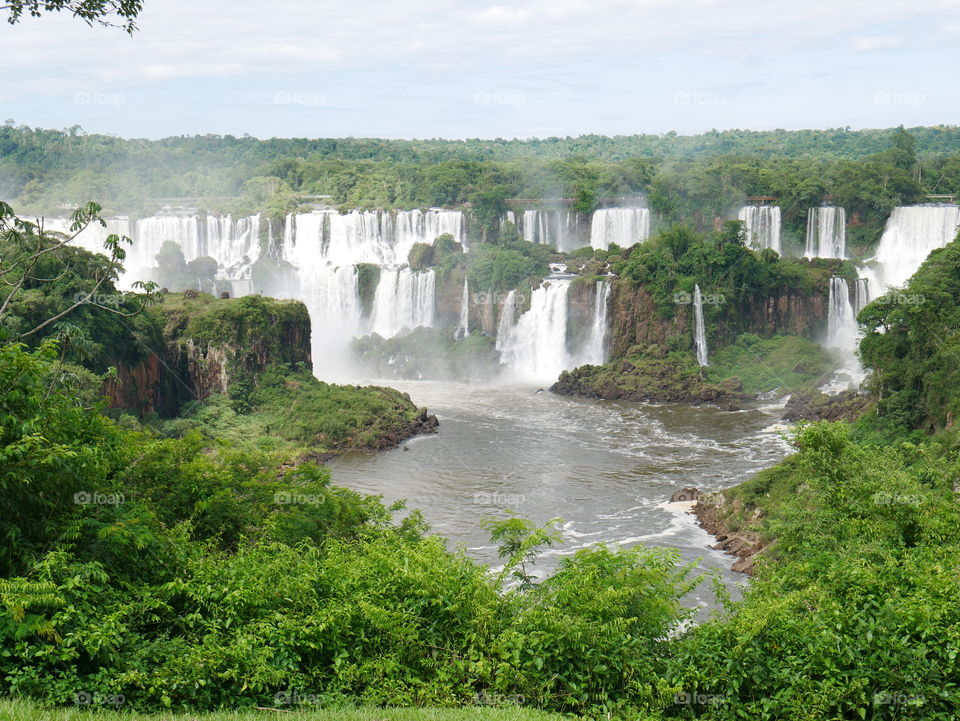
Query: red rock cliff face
[[189, 368], [636, 320], [136, 389]]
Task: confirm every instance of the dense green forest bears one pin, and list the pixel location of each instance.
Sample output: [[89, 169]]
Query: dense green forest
[[686, 179], [191, 569]]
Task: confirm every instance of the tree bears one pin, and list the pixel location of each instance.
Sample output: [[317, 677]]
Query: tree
[[109, 13], [25, 251]]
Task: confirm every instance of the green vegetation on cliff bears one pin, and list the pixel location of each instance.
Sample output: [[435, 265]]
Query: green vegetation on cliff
[[782, 363], [855, 606], [689, 180], [760, 313], [295, 412], [911, 345], [247, 362]]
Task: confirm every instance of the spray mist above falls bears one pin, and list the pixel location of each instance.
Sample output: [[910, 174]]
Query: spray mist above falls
[[355, 273]]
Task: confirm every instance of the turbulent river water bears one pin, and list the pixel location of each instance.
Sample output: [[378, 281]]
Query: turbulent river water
[[605, 468]]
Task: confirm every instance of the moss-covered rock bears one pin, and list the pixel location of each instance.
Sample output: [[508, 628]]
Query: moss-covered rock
[[240, 369], [429, 353], [368, 278], [672, 378], [420, 256]]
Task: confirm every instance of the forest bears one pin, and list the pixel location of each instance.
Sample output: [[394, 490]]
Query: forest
[[683, 179]]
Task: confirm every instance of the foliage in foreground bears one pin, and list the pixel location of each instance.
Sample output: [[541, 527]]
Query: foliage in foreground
[[183, 574], [856, 613], [23, 710]]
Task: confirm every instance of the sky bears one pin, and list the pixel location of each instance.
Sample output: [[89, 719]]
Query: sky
[[466, 69]]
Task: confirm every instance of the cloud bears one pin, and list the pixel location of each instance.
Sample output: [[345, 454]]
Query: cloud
[[218, 37], [415, 67], [869, 43]]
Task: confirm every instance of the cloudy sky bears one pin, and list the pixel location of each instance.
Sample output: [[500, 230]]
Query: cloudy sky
[[462, 68]]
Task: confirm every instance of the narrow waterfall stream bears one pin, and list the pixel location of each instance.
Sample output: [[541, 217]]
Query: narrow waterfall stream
[[699, 331]]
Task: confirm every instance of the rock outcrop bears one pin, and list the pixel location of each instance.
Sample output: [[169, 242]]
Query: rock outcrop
[[713, 512], [652, 376], [817, 406]]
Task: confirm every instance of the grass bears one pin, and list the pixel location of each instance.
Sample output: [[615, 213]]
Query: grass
[[786, 363], [294, 412], [20, 710]]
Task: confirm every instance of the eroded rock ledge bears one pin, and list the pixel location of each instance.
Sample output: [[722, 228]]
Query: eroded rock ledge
[[714, 512]]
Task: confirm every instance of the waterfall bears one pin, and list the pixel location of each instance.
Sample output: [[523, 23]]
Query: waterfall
[[404, 300], [826, 233], [234, 244], [861, 294], [324, 248], [533, 227], [537, 349], [843, 336], [841, 320], [464, 328], [699, 332], [557, 228], [911, 233], [762, 223], [622, 226], [595, 351], [507, 321]]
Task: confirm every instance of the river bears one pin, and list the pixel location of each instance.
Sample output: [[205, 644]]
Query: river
[[606, 468]]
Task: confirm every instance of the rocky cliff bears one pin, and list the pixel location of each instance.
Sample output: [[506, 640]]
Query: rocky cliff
[[207, 345], [637, 320]]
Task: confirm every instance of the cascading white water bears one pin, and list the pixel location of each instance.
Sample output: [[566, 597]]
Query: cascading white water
[[507, 320], [826, 233], [235, 245], [533, 227], [404, 300], [911, 233], [325, 246], [463, 330], [842, 336], [537, 349], [841, 321], [622, 226], [699, 331], [557, 228], [762, 223], [861, 295], [595, 350]]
